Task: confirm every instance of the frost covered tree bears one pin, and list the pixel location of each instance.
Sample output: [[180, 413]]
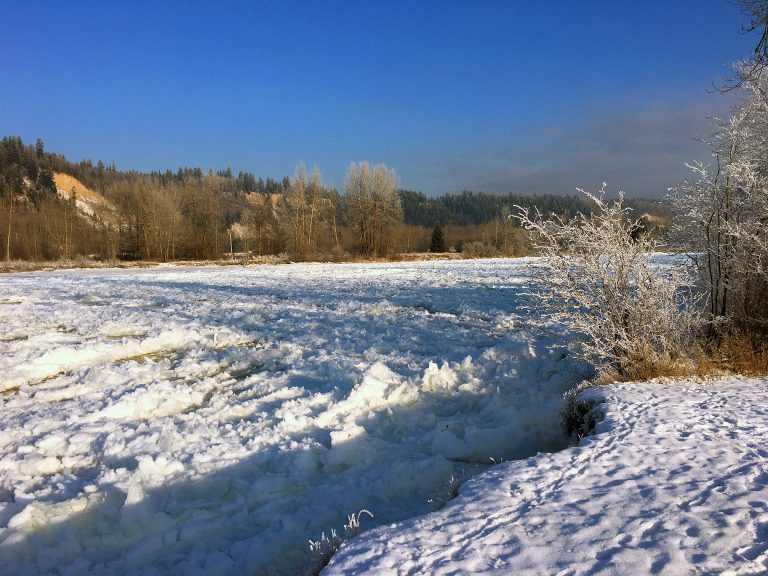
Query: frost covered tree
[[631, 316], [370, 194], [721, 213]]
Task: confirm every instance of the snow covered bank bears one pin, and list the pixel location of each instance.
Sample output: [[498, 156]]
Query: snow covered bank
[[674, 482], [213, 420]]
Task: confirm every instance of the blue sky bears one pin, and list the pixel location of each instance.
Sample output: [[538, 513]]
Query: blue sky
[[514, 96]]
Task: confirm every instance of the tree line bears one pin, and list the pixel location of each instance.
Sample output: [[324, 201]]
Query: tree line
[[470, 208], [192, 214]]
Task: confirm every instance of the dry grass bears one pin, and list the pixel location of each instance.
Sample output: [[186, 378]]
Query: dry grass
[[742, 353], [732, 353], [648, 369], [27, 266]]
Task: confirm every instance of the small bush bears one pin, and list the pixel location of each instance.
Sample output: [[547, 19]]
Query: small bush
[[579, 416], [478, 249], [450, 489], [322, 550]]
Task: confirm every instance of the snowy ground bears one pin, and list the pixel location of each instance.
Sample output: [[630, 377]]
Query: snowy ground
[[212, 420], [675, 482]]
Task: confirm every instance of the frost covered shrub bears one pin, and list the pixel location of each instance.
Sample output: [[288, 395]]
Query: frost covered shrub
[[631, 319]]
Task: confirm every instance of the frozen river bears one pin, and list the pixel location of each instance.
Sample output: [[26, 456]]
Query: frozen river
[[213, 420]]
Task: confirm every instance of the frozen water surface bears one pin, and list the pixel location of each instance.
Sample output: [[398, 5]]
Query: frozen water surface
[[212, 420]]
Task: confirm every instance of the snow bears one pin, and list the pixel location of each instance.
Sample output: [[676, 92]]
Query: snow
[[213, 420], [675, 481]]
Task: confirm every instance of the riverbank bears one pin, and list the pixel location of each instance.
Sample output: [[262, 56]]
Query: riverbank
[[85, 263], [675, 481]]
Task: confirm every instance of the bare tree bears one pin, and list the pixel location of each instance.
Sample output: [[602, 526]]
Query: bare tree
[[721, 214], [204, 215], [298, 211], [257, 222], [756, 13], [374, 206], [11, 187]]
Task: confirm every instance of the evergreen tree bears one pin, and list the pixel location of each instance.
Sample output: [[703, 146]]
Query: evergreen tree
[[438, 241]]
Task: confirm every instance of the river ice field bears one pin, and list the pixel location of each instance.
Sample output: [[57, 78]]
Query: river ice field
[[182, 420]]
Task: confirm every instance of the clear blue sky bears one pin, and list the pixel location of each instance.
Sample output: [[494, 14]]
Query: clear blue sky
[[514, 96]]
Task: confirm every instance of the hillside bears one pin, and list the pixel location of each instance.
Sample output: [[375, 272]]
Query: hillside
[[89, 203]]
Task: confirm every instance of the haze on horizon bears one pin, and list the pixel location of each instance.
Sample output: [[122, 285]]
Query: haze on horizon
[[498, 97]]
